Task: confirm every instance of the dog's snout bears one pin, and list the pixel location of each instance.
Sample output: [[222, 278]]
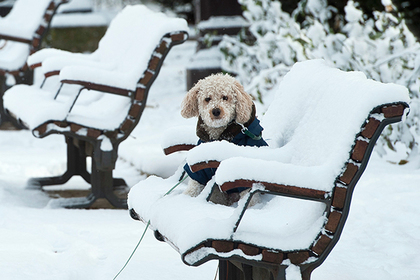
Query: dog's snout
[[216, 112]]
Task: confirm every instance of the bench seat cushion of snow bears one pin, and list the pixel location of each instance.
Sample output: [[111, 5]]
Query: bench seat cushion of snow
[[98, 98], [321, 128]]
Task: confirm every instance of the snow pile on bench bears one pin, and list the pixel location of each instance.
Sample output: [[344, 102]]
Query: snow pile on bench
[[24, 18], [120, 60], [118, 65], [314, 123], [21, 23], [311, 126]]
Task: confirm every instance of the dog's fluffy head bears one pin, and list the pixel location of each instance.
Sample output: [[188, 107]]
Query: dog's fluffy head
[[218, 99]]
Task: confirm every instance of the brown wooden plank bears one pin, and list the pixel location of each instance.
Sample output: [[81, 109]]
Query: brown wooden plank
[[153, 63], [370, 128], [277, 188], [75, 127], [140, 92], [42, 128], [135, 110], [272, 256], [177, 37], [349, 173], [339, 197], [298, 257], [146, 78], [35, 65], [393, 111], [333, 220], [249, 250], [162, 47], [126, 125], [178, 148], [202, 165], [16, 39], [223, 246], [321, 244], [40, 30], [51, 73], [98, 87], [93, 133], [359, 150]]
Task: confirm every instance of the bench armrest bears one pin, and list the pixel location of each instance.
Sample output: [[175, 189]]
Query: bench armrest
[[309, 182], [15, 38], [179, 138], [36, 59], [208, 155], [117, 82], [53, 65]]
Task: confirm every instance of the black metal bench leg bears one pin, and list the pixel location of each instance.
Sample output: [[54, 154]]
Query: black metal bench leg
[[4, 117], [230, 271], [102, 187], [76, 165], [102, 182]]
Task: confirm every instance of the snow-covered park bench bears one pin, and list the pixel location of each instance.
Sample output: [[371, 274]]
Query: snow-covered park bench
[[321, 128], [21, 34], [96, 100]]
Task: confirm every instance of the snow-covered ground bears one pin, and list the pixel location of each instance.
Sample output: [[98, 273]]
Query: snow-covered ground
[[381, 239]]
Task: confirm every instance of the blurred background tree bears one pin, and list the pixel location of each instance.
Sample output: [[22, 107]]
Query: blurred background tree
[[375, 41]]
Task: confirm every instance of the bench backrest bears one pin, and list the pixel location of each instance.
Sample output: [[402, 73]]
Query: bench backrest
[[315, 120], [136, 42], [28, 20], [126, 49]]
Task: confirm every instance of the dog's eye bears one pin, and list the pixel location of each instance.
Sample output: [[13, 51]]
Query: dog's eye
[[207, 99], [225, 98]]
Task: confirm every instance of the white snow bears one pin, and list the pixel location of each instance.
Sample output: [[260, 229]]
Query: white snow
[[22, 22], [381, 239], [309, 124], [222, 22], [75, 5], [120, 60], [24, 18], [13, 55], [311, 134], [179, 135]]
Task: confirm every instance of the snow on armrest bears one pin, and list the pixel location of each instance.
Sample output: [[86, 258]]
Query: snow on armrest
[[318, 177], [210, 154], [179, 138], [100, 79], [36, 59], [53, 65]]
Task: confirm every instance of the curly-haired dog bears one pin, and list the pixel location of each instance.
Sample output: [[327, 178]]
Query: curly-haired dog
[[225, 112]]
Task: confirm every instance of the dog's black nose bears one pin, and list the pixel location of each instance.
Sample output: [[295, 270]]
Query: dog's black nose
[[216, 112]]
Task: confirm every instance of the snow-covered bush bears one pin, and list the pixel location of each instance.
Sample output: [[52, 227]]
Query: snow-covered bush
[[382, 47]]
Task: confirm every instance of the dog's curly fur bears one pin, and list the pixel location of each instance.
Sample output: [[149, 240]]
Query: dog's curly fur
[[217, 100]]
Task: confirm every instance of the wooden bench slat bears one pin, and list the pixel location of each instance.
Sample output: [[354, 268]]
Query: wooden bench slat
[[178, 148], [278, 188]]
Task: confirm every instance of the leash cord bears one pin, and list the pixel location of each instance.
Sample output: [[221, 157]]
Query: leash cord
[[138, 243], [147, 226]]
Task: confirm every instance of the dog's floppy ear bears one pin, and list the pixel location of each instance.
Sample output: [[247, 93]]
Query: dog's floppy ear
[[190, 103], [243, 104]]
